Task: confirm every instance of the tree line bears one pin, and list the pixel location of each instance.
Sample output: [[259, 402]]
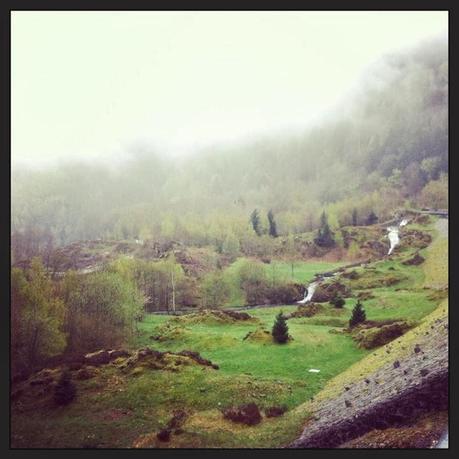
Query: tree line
[[388, 149]]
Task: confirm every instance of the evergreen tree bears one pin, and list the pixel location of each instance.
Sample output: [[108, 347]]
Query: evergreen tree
[[337, 301], [324, 235], [272, 224], [65, 390], [358, 315], [255, 220], [372, 218], [280, 329], [354, 217]]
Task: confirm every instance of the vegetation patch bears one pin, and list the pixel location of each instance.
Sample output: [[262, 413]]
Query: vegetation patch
[[213, 317], [379, 357], [424, 432], [412, 238], [414, 261], [307, 310], [155, 360], [376, 278], [260, 335], [436, 265], [170, 331], [326, 292], [369, 336], [275, 411], [244, 414]]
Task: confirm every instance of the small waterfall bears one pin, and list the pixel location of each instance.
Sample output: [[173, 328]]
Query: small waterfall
[[309, 292], [393, 235]]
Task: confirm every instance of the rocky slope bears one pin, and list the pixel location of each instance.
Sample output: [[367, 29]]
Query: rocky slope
[[399, 390]]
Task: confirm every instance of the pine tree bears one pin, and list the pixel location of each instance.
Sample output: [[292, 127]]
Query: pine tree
[[255, 220], [324, 235], [272, 224], [372, 218], [65, 390], [280, 329], [358, 315], [354, 217]]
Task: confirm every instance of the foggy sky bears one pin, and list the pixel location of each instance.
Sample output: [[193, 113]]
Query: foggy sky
[[92, 85]]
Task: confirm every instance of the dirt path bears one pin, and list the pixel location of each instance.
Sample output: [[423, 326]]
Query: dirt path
[[442, 227]]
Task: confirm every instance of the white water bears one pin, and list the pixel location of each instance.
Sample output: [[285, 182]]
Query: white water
[[308, 293], [394, 240], [393, 236]]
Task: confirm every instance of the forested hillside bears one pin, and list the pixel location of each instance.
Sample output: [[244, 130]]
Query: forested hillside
[[385, 148]]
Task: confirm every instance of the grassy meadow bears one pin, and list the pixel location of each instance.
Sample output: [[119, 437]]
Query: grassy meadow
[[115, 409]]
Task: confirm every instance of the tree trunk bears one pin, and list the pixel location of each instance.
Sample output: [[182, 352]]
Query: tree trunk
[[173, 291]]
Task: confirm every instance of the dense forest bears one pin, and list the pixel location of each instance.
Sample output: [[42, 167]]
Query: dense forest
[[387, 147]]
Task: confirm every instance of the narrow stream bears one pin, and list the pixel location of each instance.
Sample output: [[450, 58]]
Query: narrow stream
[[394, 240]]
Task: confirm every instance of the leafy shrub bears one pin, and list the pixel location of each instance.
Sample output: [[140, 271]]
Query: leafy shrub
[[337, 301]]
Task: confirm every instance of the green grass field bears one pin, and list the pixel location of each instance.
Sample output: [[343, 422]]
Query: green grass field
[[266, 373], [115, 409]]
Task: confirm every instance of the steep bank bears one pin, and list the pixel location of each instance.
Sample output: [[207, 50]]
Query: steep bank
[[399, 383], [412, 380]]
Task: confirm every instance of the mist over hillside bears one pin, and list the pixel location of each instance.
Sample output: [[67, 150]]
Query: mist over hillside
[[229, 230], [388, 148]]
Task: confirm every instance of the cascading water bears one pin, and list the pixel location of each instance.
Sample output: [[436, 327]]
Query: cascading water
[[309, 292], [394, 240], [393, 236]]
